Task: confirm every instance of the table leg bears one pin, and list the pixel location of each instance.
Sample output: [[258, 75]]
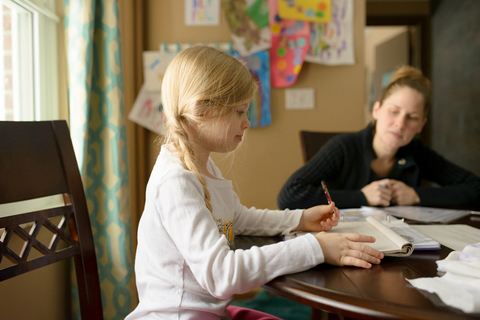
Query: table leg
[[318, 314]]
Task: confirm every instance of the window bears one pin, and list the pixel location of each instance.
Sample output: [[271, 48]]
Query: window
[[28, 60]]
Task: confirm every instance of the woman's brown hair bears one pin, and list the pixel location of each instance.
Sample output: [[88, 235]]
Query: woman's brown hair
[[408, 76]]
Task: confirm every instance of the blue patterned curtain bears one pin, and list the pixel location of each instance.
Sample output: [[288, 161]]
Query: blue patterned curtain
[[97, 125]]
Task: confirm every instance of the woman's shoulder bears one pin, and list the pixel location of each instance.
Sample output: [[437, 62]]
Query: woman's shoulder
[[348, 140]]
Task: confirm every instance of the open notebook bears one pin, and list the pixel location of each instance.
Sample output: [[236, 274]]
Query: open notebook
[[394, 238]]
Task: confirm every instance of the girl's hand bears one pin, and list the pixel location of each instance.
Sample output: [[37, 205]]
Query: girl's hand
[[344, 249], [319, 218], [378, 193], [403, 195]]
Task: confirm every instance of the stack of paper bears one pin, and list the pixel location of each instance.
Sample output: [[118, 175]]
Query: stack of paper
[[393, 237], [426, 214]]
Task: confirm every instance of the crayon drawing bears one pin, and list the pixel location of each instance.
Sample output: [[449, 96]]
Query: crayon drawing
[[151, 70], [258, 11], [202, 12], [155, 64], [305, 10], [247, 36], [258, 64], [290, 43], [147, 111], [332, 42]]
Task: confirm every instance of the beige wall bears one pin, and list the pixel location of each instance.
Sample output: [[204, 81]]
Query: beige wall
[[271, 154]]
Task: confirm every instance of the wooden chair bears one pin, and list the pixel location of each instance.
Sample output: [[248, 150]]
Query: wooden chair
[[312, 141], [37, 161]]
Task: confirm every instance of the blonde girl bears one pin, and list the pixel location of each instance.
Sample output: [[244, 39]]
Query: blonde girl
[[184, 266]]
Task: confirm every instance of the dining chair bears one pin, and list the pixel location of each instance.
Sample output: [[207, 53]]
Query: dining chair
[[312, 141], [41, 192]]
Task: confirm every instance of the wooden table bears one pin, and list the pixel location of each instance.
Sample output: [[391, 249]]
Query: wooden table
[[377, 293]]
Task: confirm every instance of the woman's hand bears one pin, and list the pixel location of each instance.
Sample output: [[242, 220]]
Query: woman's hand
[[378, 193], [318, 218], [403, 195], [344, 249]]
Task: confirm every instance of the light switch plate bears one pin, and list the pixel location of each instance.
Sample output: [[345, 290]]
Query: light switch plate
[[296, 99]]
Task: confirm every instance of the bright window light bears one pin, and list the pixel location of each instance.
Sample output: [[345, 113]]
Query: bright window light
[[28, 60]]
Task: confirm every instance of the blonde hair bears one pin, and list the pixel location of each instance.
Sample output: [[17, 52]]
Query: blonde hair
[[408, 76], [201, 82]]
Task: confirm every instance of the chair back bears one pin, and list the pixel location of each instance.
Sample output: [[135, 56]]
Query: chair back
[[41, 192], [312, 141]]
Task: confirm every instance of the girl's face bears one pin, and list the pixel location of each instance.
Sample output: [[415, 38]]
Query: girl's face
[[399, 118], [224, 134]]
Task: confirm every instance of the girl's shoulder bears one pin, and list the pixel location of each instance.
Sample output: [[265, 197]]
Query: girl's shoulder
[[213, 169], [168, 169]]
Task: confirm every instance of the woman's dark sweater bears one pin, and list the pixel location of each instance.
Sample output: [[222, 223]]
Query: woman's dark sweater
[[344, 164]]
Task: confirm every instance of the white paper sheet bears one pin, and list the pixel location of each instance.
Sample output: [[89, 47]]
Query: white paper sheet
[[454, 236], [426, 214]]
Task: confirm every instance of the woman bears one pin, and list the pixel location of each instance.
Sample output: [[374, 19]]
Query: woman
[[383, 164]]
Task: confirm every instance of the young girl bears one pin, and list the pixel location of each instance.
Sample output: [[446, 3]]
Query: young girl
[[184, 266]]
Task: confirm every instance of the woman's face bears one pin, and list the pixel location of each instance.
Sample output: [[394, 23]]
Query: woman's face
[[399, 118]]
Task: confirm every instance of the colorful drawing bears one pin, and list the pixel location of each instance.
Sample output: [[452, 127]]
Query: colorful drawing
[[332, 43], [202, 12], [258, 64], [155, 64], [258, 11], [290, 43], [151, 66], [247, 36], [147, 111], [305, 10]]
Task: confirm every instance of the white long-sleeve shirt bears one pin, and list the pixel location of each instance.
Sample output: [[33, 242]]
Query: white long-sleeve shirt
[[184, 266]]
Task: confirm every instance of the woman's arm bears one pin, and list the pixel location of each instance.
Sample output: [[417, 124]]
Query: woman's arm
[[332, 163], [458, 187]]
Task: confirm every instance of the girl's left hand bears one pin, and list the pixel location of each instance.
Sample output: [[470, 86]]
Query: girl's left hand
[[318, 218]]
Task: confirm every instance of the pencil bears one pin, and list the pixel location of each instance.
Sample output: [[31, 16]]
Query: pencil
[[327, 194]]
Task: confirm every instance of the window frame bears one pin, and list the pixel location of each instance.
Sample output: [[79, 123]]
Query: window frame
[[37, 93]]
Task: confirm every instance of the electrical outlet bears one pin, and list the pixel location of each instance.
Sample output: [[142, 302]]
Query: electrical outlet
[[299, 98]]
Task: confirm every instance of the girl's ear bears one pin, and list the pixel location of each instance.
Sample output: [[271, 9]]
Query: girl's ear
[[376, 107]]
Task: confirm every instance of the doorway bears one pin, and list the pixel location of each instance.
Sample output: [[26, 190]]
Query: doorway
[[397, 32]]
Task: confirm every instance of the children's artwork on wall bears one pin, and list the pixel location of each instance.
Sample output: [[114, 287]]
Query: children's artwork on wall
[[202, 12], [258, 11], [305, 10], [151, 70], [247, 36], [147, 111], [290, 43], [332, 42], [155, 64], [258, 64]]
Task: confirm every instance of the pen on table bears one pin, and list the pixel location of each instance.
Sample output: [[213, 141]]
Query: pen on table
[[327, 194]]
